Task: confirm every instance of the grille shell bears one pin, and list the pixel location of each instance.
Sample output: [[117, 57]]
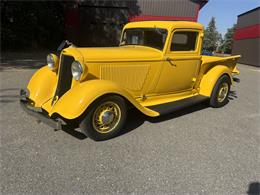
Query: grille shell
[[65, 76]]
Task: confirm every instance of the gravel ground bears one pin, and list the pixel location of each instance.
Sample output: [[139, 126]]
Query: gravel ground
[[199, 150]]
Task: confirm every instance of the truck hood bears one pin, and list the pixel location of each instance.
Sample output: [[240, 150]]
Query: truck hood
[[122, 53]]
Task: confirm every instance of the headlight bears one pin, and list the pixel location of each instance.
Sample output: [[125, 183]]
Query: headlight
[[76, 70], [52, 61]]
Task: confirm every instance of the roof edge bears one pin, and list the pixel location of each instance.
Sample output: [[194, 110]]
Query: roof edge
[[201, 3], [252, 10]]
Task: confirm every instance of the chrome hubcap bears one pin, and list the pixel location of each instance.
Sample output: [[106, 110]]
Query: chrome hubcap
[[107, 117]]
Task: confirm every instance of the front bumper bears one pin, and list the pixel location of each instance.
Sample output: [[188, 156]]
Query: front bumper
[[38, 112]]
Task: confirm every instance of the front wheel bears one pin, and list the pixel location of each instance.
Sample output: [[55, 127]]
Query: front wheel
[[105, 118], [219, 96]]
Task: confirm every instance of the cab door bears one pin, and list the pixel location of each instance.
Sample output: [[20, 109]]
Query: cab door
[[182, 61]]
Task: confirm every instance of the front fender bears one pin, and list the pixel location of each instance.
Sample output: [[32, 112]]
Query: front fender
[[210, 78], [75, 101], [42, 86]]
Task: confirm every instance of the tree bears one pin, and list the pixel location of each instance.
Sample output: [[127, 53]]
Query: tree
[[228, 40], [31, 24], [219, 43], [211, 36]]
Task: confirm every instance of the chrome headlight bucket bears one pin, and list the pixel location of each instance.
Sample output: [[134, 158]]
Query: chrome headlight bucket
[[52, 62], [76, 70]]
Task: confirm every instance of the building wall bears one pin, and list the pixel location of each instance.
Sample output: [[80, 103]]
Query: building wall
[[167, 10], [99, 22], [248, 19], [247, 38], [249, 49]]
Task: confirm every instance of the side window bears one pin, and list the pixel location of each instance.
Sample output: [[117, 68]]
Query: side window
[[184, 41]]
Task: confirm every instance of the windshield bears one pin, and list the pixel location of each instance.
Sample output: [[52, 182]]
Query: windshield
[[151, 37]]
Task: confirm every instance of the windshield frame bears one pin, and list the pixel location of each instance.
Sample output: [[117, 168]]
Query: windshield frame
[[145, 28]]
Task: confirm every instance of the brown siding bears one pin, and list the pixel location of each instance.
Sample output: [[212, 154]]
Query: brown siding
[[249, 19], [180, 8], [249, 49]]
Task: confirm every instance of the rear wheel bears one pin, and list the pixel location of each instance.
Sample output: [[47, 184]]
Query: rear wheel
[[219, 96], [105, 118]]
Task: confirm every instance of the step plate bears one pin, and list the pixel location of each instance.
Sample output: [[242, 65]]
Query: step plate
[[177, 105]]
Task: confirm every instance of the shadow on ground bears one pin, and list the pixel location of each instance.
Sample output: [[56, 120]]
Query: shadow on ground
[[29, 60], [232, 95], [254, 188], [7, 96], [136, 119]]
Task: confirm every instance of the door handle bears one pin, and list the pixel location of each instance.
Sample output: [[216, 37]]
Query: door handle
[[170, 61]]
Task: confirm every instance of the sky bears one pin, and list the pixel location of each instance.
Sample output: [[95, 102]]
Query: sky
[[225, 12]]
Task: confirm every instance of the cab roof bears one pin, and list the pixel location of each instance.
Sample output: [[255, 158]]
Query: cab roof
[[164, 24]]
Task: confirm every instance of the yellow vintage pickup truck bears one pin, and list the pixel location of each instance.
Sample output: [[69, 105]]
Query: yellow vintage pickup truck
[[157, 68]]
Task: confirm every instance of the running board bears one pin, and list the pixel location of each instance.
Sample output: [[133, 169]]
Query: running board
[[177, 105]]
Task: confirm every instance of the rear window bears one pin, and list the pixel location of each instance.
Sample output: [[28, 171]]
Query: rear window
[[184, 41]]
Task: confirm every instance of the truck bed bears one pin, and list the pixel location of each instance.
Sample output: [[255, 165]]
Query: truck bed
[[212, 59], [230, 61]]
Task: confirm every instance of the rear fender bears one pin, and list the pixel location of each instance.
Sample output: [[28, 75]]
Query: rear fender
[[210, 78], [75, 101], [42, 86]]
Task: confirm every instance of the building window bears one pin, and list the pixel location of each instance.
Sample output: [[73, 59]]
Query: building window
[[184, 41]]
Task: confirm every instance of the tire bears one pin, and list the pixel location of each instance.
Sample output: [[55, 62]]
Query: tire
[[219, 96], [104, 118]]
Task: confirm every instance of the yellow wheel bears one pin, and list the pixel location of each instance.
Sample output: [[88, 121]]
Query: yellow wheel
[[223, 92], [219, 96], [104, 118]]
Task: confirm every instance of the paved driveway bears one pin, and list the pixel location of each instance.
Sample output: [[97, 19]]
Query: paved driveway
[[199, 150]]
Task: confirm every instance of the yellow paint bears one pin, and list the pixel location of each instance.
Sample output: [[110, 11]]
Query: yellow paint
[[81, 96], [144, 76], [235, 71], [215, 59], [178, 77], [165, 98], [42, 86], [212, 68], [210, 78], [126, 53], [134, 79]]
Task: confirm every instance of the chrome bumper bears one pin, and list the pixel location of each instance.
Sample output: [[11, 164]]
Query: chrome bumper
[[38, 112]]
